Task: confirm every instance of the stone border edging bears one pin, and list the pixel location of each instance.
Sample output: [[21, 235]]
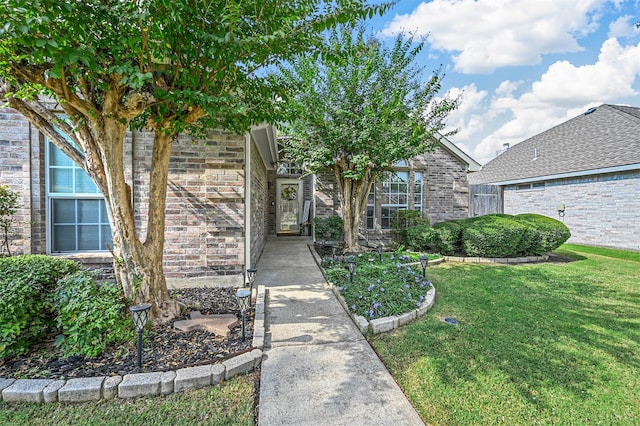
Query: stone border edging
[[471, 259], [141, 384], [380, 325]]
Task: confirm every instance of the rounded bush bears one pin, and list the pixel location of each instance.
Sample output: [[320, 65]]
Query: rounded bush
[[498, 236], [449, 234], [26, 283], [421, 238], [552, 232]]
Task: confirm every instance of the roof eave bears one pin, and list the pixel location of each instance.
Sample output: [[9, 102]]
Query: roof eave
[[614, 169]]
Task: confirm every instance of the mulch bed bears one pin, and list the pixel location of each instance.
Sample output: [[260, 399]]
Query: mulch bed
[[164, 348]]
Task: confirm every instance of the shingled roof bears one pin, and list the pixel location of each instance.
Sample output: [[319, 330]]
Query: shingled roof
[[605, 138]]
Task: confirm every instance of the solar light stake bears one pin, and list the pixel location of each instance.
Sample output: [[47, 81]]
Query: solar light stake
[[424, 261], [379, 249], [351, 265], [243, 297], [140, 315], [251, 276]]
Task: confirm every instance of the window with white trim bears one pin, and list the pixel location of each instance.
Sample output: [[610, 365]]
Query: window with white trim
[[77, 214], [417, 191], [394, 197]]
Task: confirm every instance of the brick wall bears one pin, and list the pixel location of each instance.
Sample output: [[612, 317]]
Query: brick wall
[[259, 206], [15, 167], [600, 210], [204, 233], [445, 188]]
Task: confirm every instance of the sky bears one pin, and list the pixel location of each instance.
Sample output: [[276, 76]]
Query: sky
[[521, 67]]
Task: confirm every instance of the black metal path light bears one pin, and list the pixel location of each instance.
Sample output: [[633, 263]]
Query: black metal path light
[[379, 250], [424, 261], [251, 276], [351, 266], [334, 252], [140, 315], [244, 297]]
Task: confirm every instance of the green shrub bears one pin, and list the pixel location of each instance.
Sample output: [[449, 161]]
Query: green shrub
[[8, 208], [26, 283], [421, 238], [449, 240], [330, 228], [497, 236], [404, 219], [90, 315], [552, 232]]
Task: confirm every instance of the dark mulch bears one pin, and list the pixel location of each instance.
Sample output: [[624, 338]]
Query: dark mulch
[[163, 347]]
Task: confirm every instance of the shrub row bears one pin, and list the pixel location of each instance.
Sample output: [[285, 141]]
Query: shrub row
[[495, 235], [43, 294]]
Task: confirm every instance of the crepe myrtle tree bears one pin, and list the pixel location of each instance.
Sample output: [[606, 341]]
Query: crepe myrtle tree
[[358, 109], [166, 66]]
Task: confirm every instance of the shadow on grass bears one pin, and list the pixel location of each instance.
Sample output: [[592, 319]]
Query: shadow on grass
[[542, 326]]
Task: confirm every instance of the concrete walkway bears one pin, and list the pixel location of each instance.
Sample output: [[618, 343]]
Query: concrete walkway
[[317, 367]]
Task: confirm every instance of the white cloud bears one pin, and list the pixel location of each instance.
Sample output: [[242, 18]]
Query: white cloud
[[483, 35], [624, 26], [562, 92]]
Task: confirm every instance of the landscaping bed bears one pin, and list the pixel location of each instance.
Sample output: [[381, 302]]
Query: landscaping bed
[[164, 348]]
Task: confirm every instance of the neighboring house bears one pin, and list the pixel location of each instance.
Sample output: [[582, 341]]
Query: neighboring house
[[226, 196], [585, 172], [434, 183]]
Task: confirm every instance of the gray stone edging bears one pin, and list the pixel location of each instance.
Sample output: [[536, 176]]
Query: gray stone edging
[[140, 384], [381, 325], [472, 259]]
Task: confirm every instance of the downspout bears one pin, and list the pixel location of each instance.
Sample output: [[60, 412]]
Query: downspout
[[247, 204]]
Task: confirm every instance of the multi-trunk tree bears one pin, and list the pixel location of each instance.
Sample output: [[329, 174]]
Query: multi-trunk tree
[[166, 66], [358, 109]]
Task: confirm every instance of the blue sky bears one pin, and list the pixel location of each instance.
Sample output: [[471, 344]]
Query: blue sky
[[523, 66]]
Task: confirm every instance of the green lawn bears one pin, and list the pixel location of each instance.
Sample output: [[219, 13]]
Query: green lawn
[[536, 344], [230, 403]]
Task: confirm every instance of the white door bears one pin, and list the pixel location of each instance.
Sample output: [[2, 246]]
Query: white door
[[288, 206]]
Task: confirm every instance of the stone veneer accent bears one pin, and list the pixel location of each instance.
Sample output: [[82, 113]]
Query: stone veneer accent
[[600, 210]]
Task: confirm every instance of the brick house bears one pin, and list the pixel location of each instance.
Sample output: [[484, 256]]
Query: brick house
[[434, 183], [226, 196], [585, 172]]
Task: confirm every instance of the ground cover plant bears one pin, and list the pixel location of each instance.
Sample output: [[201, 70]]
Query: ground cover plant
[[229, 403], [392, 286], [548, 343]]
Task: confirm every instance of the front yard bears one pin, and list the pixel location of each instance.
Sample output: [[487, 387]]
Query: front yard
[[551, 343]]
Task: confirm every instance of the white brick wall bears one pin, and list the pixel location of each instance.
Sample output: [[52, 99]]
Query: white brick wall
[[602, 210]]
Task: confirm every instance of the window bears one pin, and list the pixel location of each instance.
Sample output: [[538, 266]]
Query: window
[[394, 197], [530, 186], [371, 208], [78, 219], [417, 191], [287, 169]]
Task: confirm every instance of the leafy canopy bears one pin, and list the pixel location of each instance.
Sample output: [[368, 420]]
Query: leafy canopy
[[184, 64], [361, 106]]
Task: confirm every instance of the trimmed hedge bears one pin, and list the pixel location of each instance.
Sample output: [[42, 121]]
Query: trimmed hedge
[[495, 235], [26, 283], [552, 232]]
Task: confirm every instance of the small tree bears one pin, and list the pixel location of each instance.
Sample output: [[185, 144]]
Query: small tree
[[167, 67], [8, 207], [358, 109]]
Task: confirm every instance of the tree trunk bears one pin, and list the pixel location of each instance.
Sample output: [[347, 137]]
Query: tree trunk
[[352, 195], [138, 265]]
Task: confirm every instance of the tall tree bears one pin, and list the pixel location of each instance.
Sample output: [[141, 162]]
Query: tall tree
[[358, 109], [167, 66]]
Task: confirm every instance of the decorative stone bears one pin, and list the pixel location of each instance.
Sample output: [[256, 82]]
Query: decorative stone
[[217, 324]]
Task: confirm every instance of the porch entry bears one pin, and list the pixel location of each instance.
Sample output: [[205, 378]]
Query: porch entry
[[288, 206]]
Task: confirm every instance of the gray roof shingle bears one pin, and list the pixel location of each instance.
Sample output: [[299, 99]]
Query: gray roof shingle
[[602, 137]]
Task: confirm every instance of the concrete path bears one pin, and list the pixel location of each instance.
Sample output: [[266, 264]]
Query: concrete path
[[317, 367]]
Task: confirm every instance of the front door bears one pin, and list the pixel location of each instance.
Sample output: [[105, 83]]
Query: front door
[[289, 206]]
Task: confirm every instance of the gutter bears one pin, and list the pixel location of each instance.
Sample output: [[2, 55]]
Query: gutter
[[615, 169]]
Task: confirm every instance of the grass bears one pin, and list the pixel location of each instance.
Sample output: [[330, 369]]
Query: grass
[[380, 289], [230, 403], [536, 344]]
